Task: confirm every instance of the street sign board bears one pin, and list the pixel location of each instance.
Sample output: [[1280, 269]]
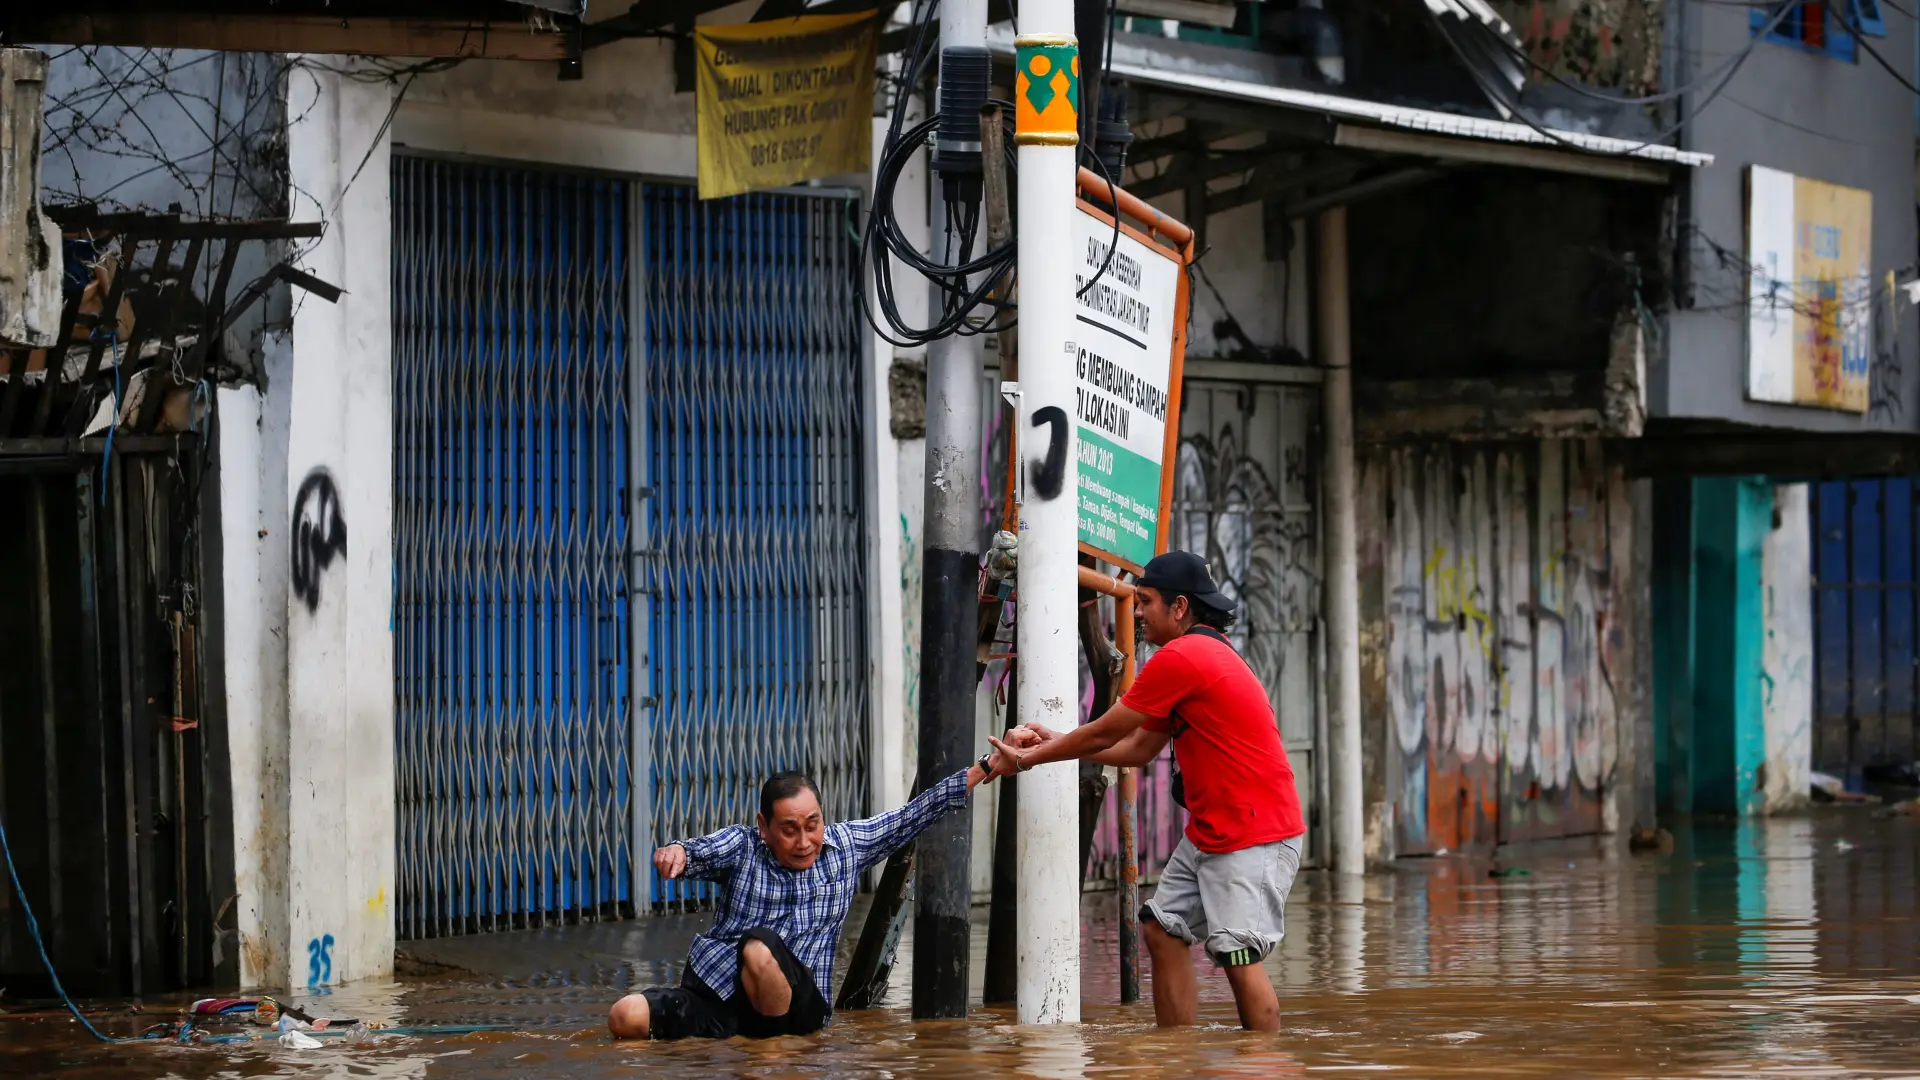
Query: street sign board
[[1129, 346]]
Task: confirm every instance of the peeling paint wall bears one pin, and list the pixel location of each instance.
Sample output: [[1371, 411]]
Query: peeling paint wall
[[1732, 522], [1786, 653], [254, 536]]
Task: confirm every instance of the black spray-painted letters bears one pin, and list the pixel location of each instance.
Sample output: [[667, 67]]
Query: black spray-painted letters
[[319, 535], [1049, 475]]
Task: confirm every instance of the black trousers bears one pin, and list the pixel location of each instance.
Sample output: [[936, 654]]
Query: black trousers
[[694, 1010]]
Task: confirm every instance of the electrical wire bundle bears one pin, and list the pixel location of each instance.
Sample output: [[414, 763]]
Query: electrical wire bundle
[[970, 290], [963, 282]]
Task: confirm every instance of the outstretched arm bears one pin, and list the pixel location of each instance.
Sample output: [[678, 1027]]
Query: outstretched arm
[[877, 837], [1135, 750], [707, 858], [1098, 740]]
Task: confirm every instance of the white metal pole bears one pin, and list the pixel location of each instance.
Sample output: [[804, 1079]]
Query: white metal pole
[[1342, 585], [1046, 131]]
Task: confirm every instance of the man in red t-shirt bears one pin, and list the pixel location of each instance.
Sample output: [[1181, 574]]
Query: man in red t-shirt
[[1227, 882]]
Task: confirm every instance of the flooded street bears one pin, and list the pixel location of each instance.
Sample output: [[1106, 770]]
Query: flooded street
[[1787, 947]]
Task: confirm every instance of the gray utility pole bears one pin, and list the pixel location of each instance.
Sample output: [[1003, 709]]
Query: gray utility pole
[[1342, 583], [943, 892]]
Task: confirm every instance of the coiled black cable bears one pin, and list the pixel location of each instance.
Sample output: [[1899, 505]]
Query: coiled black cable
[[963, 283]]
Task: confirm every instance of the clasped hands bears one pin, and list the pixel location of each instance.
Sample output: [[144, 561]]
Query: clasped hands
[[1008, 753]]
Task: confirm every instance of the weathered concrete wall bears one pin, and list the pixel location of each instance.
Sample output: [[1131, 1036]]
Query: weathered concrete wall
[[254, 537], [1500, 600], [1786, 653], [1812, 116], [340, 821]]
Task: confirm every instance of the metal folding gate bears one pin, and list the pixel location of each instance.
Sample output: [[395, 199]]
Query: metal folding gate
[[511, 527], [557, 565], [755, 530]]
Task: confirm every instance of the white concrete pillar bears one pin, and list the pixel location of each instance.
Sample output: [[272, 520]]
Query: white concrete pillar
[[895, 494], [340, 821], [253, 567], [1786, 651]]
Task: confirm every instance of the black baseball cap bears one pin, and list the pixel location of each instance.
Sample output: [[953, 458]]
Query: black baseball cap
[[1185, 572]]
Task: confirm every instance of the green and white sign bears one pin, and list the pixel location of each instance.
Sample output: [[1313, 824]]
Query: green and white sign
[[1123, 367]]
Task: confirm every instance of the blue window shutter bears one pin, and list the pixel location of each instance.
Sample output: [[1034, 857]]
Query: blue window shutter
[[1867, 18]]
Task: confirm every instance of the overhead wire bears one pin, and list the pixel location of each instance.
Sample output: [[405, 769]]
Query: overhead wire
[[1733, 60], [1658, 139]]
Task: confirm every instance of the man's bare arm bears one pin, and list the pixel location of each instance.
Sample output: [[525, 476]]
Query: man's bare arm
[[1135, 750], [1091, 738]]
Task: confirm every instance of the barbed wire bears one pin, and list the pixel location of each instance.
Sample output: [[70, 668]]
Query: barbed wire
[[219, 136]]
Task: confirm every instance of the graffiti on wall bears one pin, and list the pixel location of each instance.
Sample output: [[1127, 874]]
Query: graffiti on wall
[[1229, 507], [1498, 591], [319, 535], [910, 571], [320, 961]]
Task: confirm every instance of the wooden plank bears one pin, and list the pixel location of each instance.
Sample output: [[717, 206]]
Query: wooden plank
[[1201, 165], [1406, 658], [1514, 593], [1587, 587], [1286, 179], [415, 37], [1554, 761]]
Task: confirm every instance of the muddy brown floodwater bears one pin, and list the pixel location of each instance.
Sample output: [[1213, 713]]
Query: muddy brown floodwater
[[1779, 948]]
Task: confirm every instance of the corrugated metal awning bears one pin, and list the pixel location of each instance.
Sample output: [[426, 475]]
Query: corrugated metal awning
[[1426, 121], [1378, 127]]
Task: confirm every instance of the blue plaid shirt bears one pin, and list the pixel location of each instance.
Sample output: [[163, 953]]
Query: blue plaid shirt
[[806, 907]]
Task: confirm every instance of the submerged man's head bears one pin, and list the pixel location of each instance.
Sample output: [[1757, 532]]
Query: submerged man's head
[[791, 820]]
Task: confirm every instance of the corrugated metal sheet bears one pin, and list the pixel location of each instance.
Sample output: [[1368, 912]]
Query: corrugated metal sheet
[[1400, 117], [510, 537], [1866, 656], [756, 523]]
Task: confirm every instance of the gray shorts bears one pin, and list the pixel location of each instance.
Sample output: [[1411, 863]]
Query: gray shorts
[[1236, 902]]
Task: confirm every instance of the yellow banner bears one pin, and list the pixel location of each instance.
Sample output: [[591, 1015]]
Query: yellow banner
[[784, 101]]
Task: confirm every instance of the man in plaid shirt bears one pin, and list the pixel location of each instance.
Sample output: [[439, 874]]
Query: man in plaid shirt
[[765, 966]]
